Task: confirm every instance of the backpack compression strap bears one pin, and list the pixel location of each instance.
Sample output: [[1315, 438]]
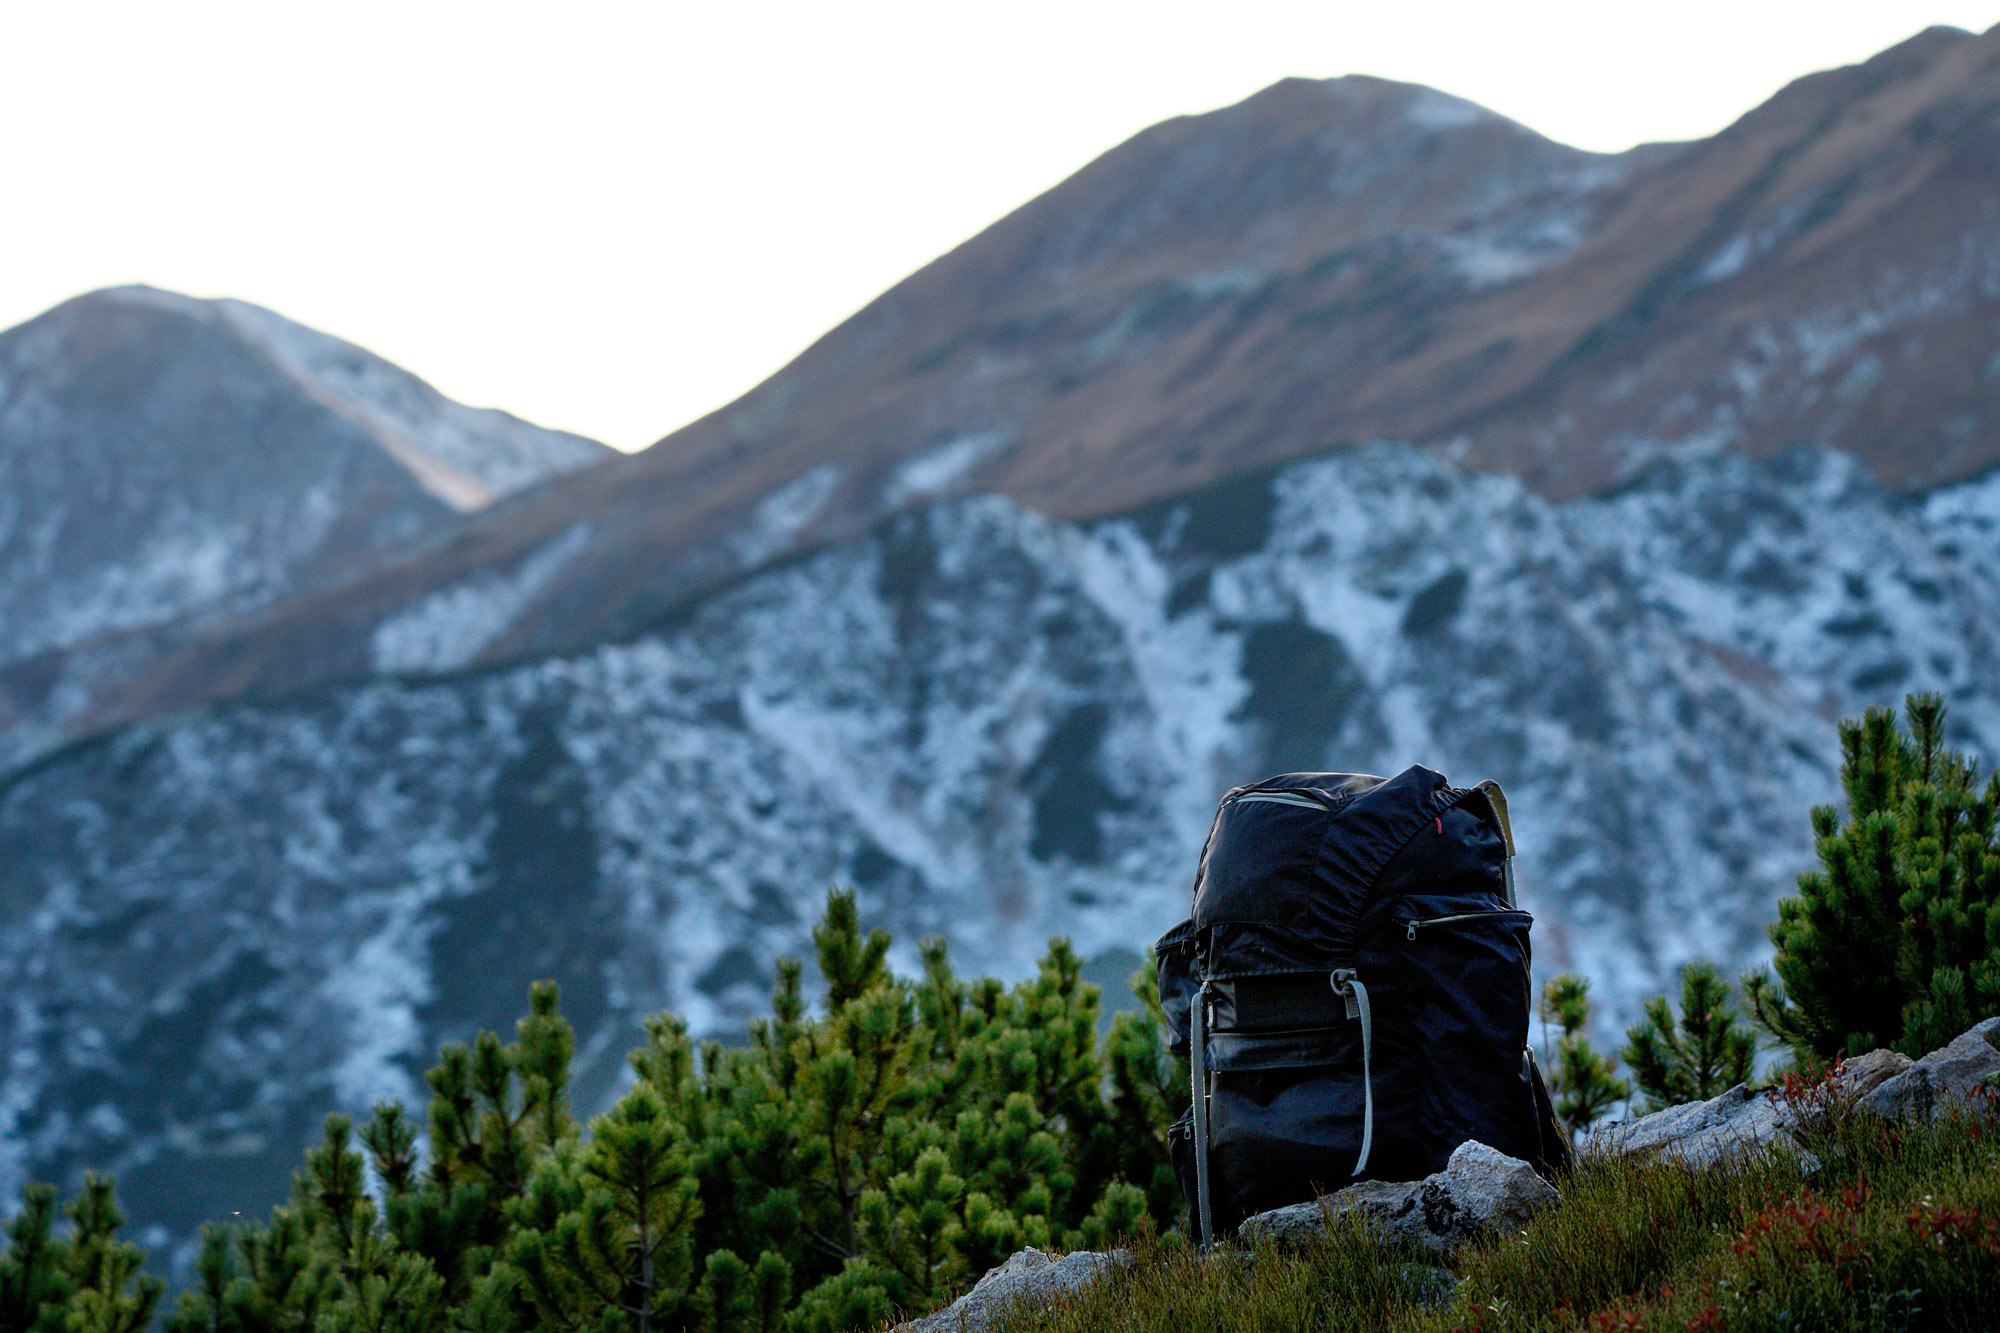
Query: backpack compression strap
[[1346, 983], [1199, 1069]]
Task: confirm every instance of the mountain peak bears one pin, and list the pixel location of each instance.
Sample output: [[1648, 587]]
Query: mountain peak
[[465, 457], [1347, 97], [1354, 155], [170, 460]]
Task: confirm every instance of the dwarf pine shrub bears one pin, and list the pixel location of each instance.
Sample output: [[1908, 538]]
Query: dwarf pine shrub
[[65, 1268], [872, 1155], [1583, 1083], [1708, 1050], [1894, 940]]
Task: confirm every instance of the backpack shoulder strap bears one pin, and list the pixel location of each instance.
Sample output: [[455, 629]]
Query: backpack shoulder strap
[[1496, 801], [1496, 805]]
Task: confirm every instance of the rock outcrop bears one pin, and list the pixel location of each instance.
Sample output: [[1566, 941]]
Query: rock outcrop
[[1028, 1275], [1961, 1075], [1955, 1077], [1481, 1189], [1700, 1133], [1864, 1073]]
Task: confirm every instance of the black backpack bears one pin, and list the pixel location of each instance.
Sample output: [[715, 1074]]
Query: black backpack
[[1353, 982]]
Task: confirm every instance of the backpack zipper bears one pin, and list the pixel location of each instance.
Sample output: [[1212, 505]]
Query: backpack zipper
[[1281, 798], [1413, 926]]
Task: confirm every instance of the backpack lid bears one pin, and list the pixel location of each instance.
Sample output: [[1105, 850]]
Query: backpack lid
[[1288, 879]]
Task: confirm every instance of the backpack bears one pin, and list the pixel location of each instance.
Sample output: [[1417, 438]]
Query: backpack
[[1352, 990]]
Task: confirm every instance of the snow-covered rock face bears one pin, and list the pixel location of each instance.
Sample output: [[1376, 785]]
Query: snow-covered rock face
[[998, 726]]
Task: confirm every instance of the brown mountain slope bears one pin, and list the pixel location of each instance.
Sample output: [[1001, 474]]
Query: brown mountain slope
[[1325, 262], [1826, 271]]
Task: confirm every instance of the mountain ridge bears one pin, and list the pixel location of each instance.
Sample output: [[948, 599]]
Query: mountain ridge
[[1443, 276]]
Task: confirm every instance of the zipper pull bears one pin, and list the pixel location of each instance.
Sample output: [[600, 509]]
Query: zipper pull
[[1413, 930]]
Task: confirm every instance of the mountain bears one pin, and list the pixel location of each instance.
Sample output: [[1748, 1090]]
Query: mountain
[[1327, 262], [1000, 726], [168, 463], [1352, 426]]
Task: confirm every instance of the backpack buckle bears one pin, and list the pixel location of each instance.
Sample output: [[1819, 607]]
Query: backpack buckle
[[1343, 986]]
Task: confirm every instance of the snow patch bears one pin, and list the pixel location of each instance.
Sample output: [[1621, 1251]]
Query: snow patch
[[1494, 254], [186, 563], [1728, 261], [448, 629], [1433, 110], [376, 995], [938, 468], [784, 513]]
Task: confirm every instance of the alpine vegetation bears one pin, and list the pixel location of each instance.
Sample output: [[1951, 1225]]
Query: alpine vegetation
[[1584, 1084], [1892, 1227], [872, 1153], [1707, 1050], [1894, 940]]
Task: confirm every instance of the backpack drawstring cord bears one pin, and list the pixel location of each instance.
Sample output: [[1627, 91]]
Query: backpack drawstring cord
[[1346, 983]]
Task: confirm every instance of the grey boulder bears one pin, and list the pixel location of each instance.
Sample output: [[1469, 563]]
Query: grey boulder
[[1955, 1077], [1865, 1073], [1480, 1189], [1880, 1083], [1699, 1133], [1028, 1276]]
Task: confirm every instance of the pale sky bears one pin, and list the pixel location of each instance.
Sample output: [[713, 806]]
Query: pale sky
[[613, 217]]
